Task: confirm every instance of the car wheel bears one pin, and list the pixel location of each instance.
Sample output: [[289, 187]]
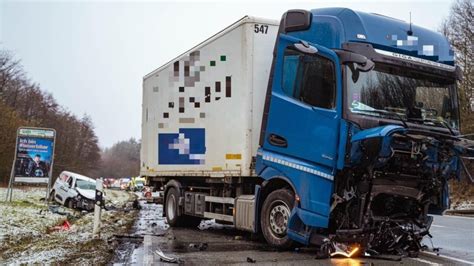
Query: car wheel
[[274, 219], [70, 203]]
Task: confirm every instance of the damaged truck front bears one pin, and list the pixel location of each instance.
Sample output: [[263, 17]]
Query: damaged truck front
[[344, 137]]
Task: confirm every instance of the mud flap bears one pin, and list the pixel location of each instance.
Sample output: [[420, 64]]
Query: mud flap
[[257, 229], [301, 222]]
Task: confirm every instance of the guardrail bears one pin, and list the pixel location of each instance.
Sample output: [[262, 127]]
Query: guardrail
[[460, 212]]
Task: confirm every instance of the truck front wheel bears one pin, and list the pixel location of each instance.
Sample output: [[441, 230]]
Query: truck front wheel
[[276, 212]]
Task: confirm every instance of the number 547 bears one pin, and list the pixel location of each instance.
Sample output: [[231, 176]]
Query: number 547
[[260, 28]]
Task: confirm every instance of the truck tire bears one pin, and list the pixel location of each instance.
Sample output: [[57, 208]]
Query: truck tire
[[171, 207], [172, 214], [276, 212]]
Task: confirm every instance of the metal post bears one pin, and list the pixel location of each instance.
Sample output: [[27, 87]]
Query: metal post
[[10, 182], [99, 191], [12, 172], [51, 171]]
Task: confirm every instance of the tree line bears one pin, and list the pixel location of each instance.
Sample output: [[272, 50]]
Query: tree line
[[23, 103], [458, 27], [121, 160]]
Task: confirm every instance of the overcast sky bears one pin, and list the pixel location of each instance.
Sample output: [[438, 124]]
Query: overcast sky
[[93, 55]]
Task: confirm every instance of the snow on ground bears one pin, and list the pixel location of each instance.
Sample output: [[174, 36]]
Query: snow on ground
[[25, 217], [464, 205], [26, 235]]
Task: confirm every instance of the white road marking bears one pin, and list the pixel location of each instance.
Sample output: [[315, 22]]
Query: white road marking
[[426, 261], [434, 225], [447, 257]]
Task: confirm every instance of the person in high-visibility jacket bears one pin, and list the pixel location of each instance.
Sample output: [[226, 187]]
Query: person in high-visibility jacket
[[137, 183]]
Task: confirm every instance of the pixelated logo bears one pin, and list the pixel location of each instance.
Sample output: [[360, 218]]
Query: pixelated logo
[[186, 147]]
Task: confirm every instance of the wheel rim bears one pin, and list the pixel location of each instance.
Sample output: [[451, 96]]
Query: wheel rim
[[279, 214], [170, 207]]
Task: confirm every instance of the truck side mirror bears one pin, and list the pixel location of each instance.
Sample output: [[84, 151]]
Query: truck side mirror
[[363, 64], [296, 20]]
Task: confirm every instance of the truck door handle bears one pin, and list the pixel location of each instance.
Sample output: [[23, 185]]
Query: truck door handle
[[276, 140]]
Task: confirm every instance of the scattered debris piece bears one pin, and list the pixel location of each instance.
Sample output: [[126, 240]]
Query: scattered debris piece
[[340, 249], [165, 258], [128, 236], [250, 260], [136, 204], [57, 209], [238, 238], [63, 227], [200, 246]]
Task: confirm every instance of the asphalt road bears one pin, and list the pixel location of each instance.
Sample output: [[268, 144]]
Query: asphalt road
[[454, 235], [217, 244]]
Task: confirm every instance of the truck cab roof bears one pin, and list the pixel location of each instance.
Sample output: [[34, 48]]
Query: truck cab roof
[[332, 27]]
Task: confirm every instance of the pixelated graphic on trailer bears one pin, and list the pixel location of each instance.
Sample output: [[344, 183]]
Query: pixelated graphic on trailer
[[186, 147]]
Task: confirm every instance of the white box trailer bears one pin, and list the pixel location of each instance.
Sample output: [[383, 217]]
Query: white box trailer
[[202, 110]]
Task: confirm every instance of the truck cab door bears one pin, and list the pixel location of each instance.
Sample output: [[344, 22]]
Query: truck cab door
[[301, 125], [303, 118]]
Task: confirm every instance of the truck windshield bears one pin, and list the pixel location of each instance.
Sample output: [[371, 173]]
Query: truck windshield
[[397, 93]]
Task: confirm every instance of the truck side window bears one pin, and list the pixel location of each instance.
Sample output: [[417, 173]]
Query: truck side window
[[309, 78]]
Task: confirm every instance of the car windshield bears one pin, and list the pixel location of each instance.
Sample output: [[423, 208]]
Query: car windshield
[[400, 94], [83, 184]]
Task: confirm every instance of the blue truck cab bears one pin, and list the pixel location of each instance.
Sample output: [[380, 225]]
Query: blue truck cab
[[361, 126]]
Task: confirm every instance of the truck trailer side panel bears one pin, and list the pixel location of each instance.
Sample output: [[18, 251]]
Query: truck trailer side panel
[[202, 110]]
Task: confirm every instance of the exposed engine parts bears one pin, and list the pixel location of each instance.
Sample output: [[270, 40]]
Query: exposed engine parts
[[382, 203]]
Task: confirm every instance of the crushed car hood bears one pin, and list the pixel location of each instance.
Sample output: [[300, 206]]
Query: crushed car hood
[[87, 193]]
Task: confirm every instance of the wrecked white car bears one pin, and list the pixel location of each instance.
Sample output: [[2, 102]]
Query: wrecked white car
[[74, 191]]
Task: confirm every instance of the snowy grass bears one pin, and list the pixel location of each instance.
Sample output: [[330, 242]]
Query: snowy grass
[[26, 235]]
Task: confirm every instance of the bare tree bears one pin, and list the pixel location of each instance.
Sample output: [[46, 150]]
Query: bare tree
[[23, 103], [121, 160], [459, 29]]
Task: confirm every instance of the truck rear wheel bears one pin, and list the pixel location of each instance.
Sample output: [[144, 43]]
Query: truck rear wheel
[[173, 216], [172, 205], [276, 212]]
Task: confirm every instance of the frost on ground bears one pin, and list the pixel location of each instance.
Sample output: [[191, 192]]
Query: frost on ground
[[26, 234], [461, 195]]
